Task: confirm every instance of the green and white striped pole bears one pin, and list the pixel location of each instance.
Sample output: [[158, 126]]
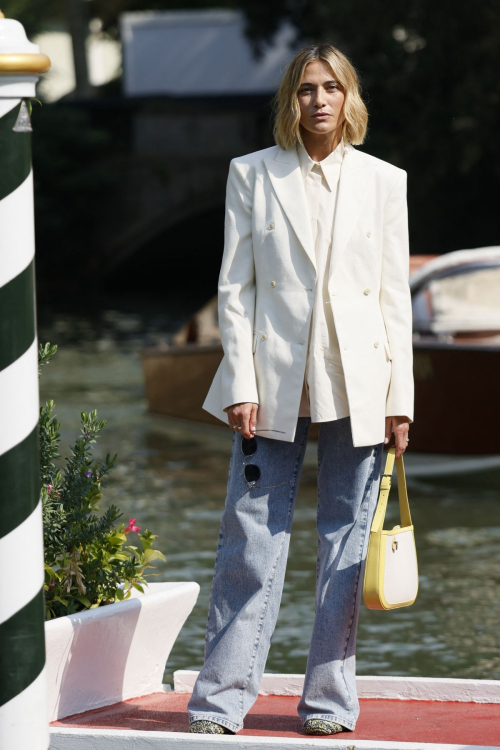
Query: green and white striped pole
[[23, 690]]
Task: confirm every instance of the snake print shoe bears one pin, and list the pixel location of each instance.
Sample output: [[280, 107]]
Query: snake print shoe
[[322, 726], [208, 727]]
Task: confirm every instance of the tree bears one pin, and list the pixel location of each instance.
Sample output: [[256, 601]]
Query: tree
[[429, 76]]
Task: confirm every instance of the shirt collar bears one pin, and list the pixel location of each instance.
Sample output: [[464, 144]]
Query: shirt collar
[[327, 165]]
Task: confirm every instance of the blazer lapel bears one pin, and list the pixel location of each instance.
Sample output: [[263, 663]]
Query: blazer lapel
[[355, 179], [286, 178]]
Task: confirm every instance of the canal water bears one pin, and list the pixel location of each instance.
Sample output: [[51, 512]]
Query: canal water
[[171, 476]]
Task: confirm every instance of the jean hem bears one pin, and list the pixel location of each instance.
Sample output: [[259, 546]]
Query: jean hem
[[347, 723], [217, 719]]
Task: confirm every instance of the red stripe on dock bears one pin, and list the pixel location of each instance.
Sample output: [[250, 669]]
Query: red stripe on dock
[[271, 716]]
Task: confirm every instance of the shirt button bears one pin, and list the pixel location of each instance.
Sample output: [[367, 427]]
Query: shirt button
[[377, 343], [368, 234], [264, 336], [367, 291], [270, 225], [273, 283]]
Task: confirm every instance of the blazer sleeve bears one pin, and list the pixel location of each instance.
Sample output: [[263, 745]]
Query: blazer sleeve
[[395, 300], [236, 292]]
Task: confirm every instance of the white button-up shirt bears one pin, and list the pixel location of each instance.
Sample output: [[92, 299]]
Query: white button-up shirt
[[324, 396]]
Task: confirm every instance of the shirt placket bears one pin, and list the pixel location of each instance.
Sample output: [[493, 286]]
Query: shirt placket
[[321, 193], [313, 189]]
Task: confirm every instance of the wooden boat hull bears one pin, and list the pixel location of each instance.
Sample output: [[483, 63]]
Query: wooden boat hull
[[177, 380], [457, 392], [457, 398]]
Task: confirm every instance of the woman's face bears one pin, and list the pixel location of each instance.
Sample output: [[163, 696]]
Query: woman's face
[[321, 99]]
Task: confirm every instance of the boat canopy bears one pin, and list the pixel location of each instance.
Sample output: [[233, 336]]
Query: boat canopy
[[458, 292]]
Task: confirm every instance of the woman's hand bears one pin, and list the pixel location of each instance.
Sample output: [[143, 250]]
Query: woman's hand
[[399, 426], [243, 418]]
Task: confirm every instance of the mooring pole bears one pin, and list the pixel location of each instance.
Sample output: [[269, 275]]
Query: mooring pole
[[23, 698]]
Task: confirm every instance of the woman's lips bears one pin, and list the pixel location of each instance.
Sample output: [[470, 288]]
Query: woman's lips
[[321, 117]]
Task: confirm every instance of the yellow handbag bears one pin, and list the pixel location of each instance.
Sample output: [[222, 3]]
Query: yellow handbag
[[391, 571]]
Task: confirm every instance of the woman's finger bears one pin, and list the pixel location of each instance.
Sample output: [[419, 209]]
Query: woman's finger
[[388, 429], [234, 420], [401, 435], [245, 422], [253, 418]]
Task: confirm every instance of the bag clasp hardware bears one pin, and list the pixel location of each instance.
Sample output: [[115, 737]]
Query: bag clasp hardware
[[394, 540]]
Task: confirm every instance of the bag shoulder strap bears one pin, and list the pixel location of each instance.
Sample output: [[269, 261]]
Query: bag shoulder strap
[[385, 486]]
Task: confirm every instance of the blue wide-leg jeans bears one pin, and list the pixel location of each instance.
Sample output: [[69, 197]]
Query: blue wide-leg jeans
[[250, 570]]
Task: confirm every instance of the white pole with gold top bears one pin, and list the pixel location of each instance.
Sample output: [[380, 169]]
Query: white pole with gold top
[[23, 689]]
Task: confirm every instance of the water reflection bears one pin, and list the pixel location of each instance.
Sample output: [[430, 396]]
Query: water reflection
[[172, 477]]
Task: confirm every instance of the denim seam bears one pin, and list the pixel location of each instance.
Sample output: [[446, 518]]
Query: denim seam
[[320, 461], [220, 542], [209, 618], [366, 499], [271, 580]]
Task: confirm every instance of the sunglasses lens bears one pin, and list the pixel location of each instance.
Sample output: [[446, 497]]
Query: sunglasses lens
[[252, 473], [248, 446]]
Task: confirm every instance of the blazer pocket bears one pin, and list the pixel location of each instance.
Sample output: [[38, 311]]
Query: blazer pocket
[[387, 350]]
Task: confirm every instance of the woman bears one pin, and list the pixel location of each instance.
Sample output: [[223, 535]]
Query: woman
[[315, 321]]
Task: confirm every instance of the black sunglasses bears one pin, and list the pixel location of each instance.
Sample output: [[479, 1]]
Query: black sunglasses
[[249, 448]]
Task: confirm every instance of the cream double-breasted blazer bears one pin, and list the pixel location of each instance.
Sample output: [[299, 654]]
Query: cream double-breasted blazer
[[267, 286]]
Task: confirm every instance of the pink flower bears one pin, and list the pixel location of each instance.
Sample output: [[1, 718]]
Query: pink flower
[[131, 526]]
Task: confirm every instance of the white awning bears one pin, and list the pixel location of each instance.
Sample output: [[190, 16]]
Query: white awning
[[198, 53]]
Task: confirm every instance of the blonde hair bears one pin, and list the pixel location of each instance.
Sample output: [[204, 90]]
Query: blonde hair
[[286, 103]]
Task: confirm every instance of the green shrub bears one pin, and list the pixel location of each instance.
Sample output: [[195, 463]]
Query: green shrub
[[88, 562]]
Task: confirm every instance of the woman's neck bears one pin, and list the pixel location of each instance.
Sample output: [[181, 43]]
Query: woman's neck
[[319, 146]]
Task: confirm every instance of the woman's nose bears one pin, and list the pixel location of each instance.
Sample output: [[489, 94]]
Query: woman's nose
[[320, 99]]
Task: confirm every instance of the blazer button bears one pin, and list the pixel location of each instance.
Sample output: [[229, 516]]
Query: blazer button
[[270, 225], [273, 283], [368, 234], [367, 290], [264, 336], [376, 343]]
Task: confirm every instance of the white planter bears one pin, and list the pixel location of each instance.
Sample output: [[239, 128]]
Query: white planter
[[113, 653]]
